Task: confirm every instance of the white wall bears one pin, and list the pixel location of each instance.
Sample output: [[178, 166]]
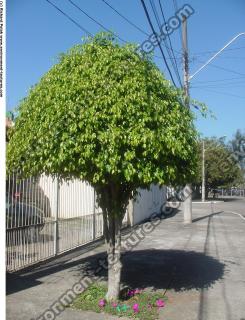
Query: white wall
[[76, 199], [148, 202]]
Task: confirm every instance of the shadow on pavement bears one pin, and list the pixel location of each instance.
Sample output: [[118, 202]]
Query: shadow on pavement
[[170, 212], [170, 269], [231, 199], [225, 199], [16, 283], [207, 216], [156, 269]]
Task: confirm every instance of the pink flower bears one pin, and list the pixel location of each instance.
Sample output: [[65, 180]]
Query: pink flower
[[101, 303], [160, 303], [114, 304], [131, 293], [136, 307]]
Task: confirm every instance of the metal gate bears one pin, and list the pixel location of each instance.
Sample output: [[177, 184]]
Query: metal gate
[[45, 218]]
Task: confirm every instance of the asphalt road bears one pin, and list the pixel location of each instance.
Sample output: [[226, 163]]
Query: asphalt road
[[218, 231]]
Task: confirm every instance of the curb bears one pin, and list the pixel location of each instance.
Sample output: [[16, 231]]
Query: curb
[[200, 202]]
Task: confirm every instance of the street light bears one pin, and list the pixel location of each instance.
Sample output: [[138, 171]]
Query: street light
[[216, 54]]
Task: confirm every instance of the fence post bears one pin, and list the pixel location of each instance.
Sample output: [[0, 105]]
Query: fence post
[[94, 216], [56, 230]]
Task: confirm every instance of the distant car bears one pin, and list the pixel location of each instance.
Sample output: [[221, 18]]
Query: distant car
[[26, 217]]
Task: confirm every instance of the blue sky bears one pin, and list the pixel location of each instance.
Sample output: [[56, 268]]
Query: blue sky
[[37, 33]]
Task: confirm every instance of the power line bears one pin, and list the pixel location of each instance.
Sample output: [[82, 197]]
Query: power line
[[221, 80], [159, 45], [81, 27], [68, 17], [167, 58], [214, 51], [230, 87], [94, 20], [125, 18], [224, 93], [176, 10], [222, 68], [214, 85], [155, 13], [234, 58], [131, 23], [171, 48]]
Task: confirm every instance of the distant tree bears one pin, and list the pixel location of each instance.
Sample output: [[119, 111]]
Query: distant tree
[[237, 146], [107, 115], [9, 124], [221, 167]]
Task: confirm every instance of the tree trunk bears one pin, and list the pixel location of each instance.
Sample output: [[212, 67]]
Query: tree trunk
[[206, 193], [114, 258], [113, 199]]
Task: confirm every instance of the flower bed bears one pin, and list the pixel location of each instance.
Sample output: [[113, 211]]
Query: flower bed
[[133, 303]]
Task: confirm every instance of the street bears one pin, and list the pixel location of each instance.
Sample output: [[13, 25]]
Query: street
[[202, 267]]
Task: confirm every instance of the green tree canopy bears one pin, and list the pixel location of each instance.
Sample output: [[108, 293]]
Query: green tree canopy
[[221, 167], [237, 147], [107, 115]]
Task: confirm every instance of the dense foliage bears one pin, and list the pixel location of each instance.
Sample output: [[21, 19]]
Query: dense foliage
[[221, 167], [103, 113], [107, 115], [237, 147]]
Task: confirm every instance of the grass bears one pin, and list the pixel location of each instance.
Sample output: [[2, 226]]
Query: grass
[[144, 302]]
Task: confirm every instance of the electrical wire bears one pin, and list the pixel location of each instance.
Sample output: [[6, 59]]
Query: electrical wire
[[90, 34], [171, 47], [68, 17], [131, 23], [159, 45], [234, 58], [220, 85], [94, 20], [176, 9], [220, 80], [223, 93], [221, 68], [125, 18], [214, 51]]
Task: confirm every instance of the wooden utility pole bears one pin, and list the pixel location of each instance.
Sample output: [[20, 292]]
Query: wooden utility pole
[[185, 61], [187, 190]]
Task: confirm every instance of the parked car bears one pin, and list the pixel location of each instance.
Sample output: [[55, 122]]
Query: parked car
[[25, 217]]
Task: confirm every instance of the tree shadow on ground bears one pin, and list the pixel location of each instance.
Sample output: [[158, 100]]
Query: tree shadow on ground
[[168, 269], [207, 216], [224, 198], [235, 198], [155, 269], [170, 212]]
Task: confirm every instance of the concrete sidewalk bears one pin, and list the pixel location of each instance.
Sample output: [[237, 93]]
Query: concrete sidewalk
[[201, 265]]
